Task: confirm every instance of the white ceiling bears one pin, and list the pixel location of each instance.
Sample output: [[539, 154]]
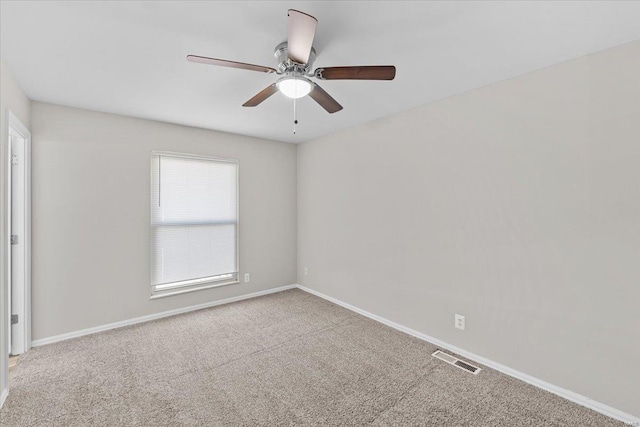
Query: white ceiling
[[129, 57]]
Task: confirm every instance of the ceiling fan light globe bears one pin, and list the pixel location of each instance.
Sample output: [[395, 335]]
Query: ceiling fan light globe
[[294, 87]]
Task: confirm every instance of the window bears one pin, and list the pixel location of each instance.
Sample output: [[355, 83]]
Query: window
[[194, 223]]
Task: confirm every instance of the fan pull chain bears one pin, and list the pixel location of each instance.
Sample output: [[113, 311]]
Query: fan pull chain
[[295, 119]]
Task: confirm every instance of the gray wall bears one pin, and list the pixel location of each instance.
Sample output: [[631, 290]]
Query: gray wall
[[91, 215], [516, 205], [11, 99]]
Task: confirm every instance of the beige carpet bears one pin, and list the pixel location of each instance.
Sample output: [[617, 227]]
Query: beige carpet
[[284, 359]]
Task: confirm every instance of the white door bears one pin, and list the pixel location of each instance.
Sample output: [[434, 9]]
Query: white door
[[18, 254], [9, 250], [19, 229]]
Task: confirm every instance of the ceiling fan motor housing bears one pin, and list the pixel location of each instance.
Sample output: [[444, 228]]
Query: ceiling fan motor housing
[[287, 66]]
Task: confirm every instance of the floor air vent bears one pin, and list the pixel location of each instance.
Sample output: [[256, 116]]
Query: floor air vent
[[456, 362]]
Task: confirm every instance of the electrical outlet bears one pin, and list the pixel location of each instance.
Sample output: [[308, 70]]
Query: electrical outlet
[[459, 321], [247, 277], [306, 271]]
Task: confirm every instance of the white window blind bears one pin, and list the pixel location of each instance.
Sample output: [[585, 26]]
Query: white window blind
[[194, 222]]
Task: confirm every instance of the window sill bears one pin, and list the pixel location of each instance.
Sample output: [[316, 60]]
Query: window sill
[[201, 287]]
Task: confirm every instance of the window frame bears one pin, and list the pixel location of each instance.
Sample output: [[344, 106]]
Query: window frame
[[196, 284]]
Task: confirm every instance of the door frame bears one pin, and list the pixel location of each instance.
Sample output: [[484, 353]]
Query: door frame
[[15, 126]]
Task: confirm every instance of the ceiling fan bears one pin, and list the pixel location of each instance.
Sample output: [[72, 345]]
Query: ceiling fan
[[295, 59]]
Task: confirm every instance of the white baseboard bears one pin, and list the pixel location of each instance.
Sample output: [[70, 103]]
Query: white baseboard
[[120, 324], [3, 396], [567, 394]]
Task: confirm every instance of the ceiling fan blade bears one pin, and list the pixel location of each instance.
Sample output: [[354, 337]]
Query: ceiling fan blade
[[368, 72], [261, 96], [301, 31], [325, 100], [230, 64]]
